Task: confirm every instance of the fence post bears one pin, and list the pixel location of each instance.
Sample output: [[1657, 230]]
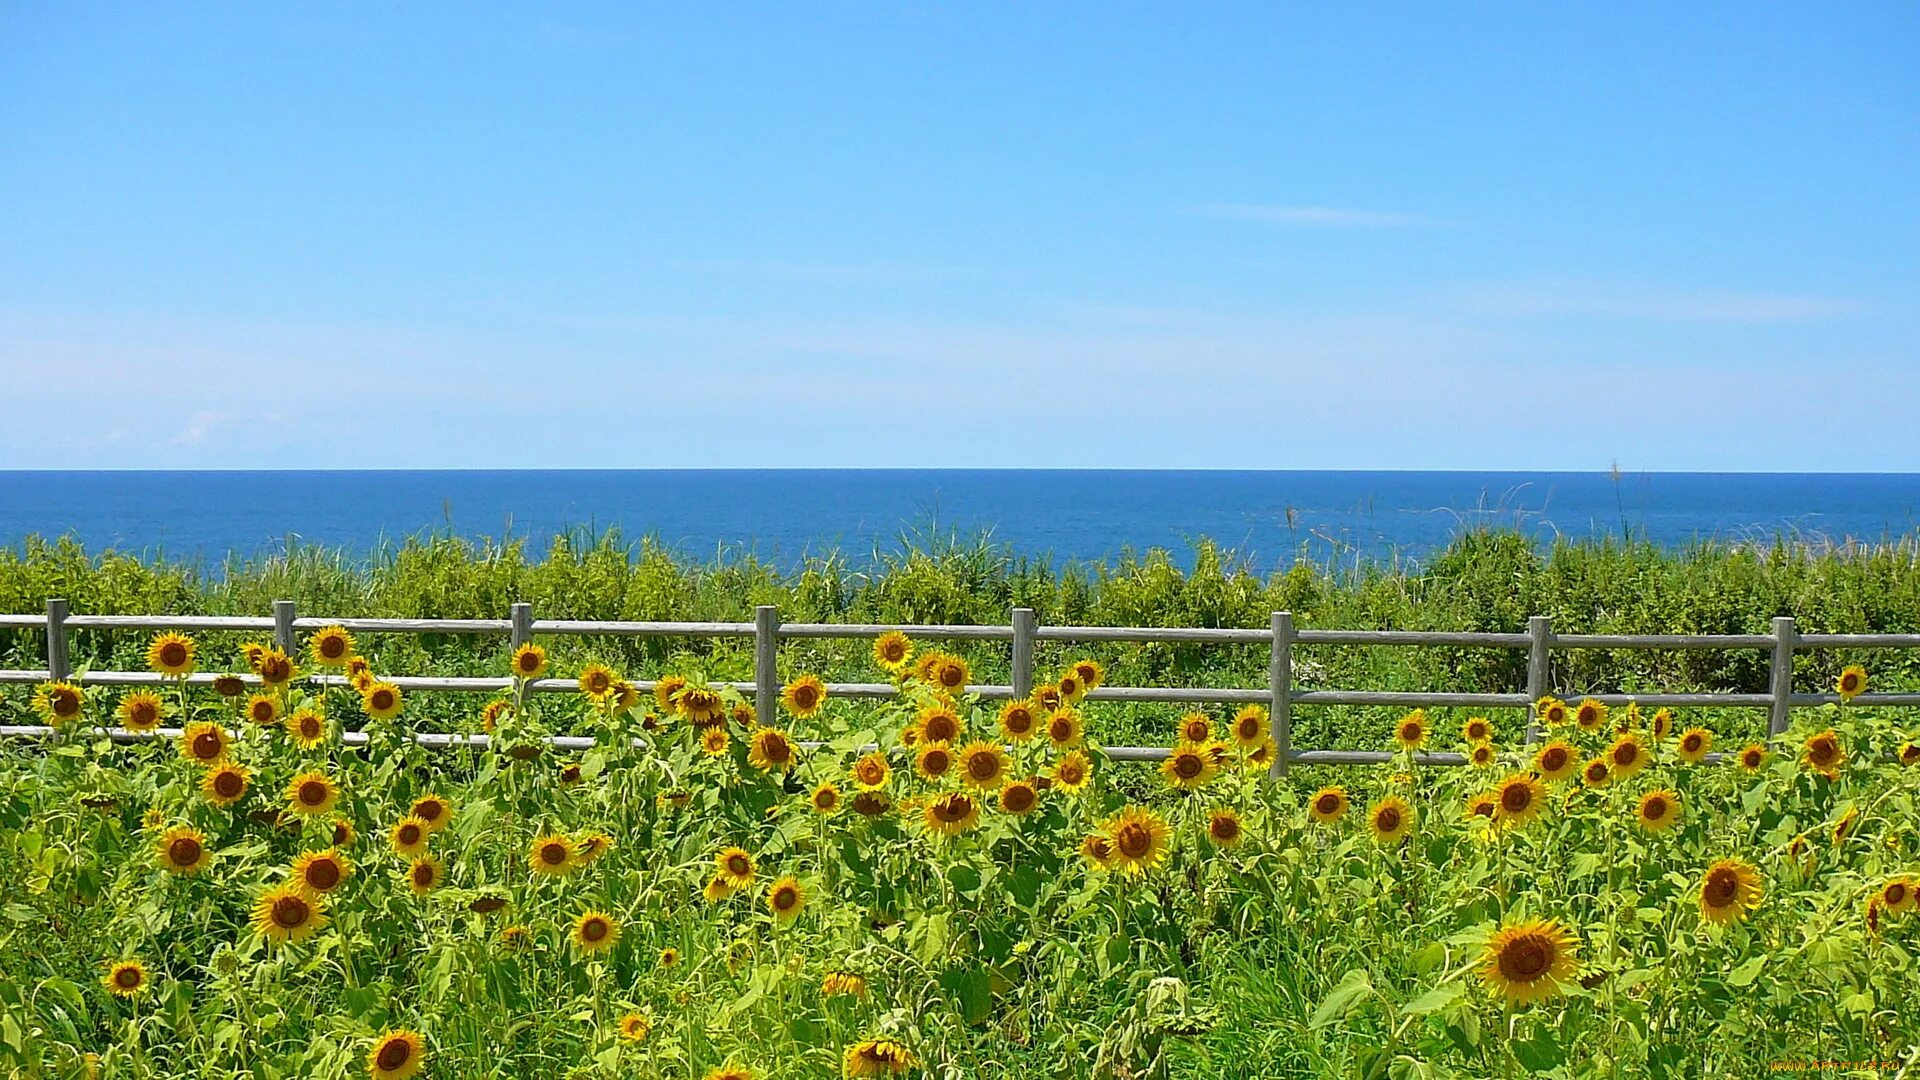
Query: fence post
[[1022, 678], [1280, 691], [59, 661], [1785, 638], [1540, 638], [521, 616], [766, 653], [283, 638]]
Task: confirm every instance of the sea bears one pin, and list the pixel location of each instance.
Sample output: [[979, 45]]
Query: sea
[[1271, 518]]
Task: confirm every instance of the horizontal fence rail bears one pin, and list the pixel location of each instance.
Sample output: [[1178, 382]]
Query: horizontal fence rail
[[767, 631]]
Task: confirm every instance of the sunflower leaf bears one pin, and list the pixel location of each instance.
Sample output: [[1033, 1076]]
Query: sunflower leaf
[[1353, 986]]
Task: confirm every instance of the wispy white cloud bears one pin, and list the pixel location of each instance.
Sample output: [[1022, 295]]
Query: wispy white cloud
[[1318, 217], [1633, 301]]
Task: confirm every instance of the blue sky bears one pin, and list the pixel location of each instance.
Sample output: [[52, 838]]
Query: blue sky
[[1344, 236]]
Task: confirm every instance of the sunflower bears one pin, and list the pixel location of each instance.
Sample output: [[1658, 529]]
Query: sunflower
[[182, 850], [396, 1055], [1328, 805], [1019, 798], [933, 761], [529, 661], [126, 978], [597, 682], [875, 1057], [1731, 888], [1090, 672], [361, 680], [409, 836], [1477, 729], [320, 872], [871, 771], [842, 984], [595, 932], [424, 875], [1097, 850], [744, 714], [952, 814], [1188, 767], [669, 957], [263, 709], [225, 783], [1897, 895], [1694, 744], [825, 798], [625, 696], [331, 646], [140, 711], [729, 1071], [1224, 828], [786, 898], [1844, 827], [1851, 682], [1139, 839], [1071, 773], [951, 674], [381, 701], [515, 938], [552, 855], [1391, 820], [1555, 761], [306, 728], [204, 742], [1251, 727], [665, 689], [1551, 711], [1481, 755], [804, 696], [634, 1028], [1411, 730], [57, 702], [714, 741], [1518, 799], [770, 750], [1590, 715], [312, 794], [1658, 811], [275, 668], [171, 654], [1065, 728], [1909, 753], [939, 724], [1195, 727], [1262, 756], [343, 834], [735, 867], [1071, 688], [229, 685], [1596, 773], [285, 914], [433, 810], [1484, 805], [1872, 917], [1046, 698], [1753, 757], [893, 651], [593, 845], [1530, 961], [1627, 756], [700, 706], [1662, 725], [983, 766], [1824, 754], [1017, 721]]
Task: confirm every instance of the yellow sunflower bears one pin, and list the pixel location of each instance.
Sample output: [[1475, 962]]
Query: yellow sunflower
[[1851, 682], [275, 668], [842, 984], [597, 682], [1411, 730], [343, 834], [434, 810], [825, 798], [1729, 891], [1251, 727], [171, 654], [312, 794], [1071, 688], [1627, 756], [1072, 772], [983, 766], [1909, 753], [1046, 699], [595, 932], [1328, 805], [551, 855], [1065, 728], [1484, 805], [625, 696], [716, 889], [1530, 961], [1556, 761], [892, 651], [593, 845], [204, 742], [634, 1028], [1662, 725], [952, 814], [701, 706], [1017, 721], [1897, 895], [126, 978], [804, 696], [424, 875], [306, 728], [1224, 828], [225, 783], [1391, 820], [939, 724], [182, 850], [735, 867], [669, 957], [770, 750], [950, 674], [1139, 840], [872, 770], [1659, 810], [714, 741], [1824, 754], [1590, 715], [786, 898], [1596, 773], [331, 646], [1752, 757], [381, 701], [1019, 798], [1551, 711], [1482, 755], [263, 709], [57, 702], [1694, 744], [1477, 729], [529, 661], [1097, 850], [665, 689], [1188, 767], [1195, 727], [933, 761], [409, 836], [396, 1055], [1090, 673], [876, 1057], [730, 1071], [320, 872], [1519, 799], [141, 711], [285, 914]]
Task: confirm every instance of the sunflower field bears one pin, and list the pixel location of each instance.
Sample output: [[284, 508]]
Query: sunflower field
[[929, 885]]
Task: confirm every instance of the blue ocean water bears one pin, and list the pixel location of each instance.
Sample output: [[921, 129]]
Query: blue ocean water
[[1062, 514]]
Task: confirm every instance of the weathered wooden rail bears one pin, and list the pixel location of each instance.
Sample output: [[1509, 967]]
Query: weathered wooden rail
[[1021, 633]]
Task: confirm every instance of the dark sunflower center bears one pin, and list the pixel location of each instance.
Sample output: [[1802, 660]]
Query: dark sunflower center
[[952, 809], [826, 799], [1410, 732], [323, 874], [173, 654], [1723, 886], [313, 793], [936, 761], [263, 712], [738, 866], [340, 833], [143, 713], [1655, 809], [207, 745], [228, 784], [1625, 754], [553, 854], [775, 749], [1821, 751], [785, 899], [1072, 773], [951, 677], [941, 729], [598, 682], [1098, 847], [1515, 798], [1896, 893], [1019, 721], [983, 766], [1188, 766], [893, 651], [423, 875], [529, 662], [804, 697], [184, 851], [1060, 730], [127, 977], [1225, 828], [1018, 798], [1526, 959], [1327, 804], [382, 699], [333, 648], [291, 912], [1596, 772], [394, 1053], [1135, 840], [428, 811], [1554, 759], [1388, 819]]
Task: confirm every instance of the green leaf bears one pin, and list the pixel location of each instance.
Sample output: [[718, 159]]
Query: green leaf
[[1749, 971], [1434, 1000], [1353, 986]]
